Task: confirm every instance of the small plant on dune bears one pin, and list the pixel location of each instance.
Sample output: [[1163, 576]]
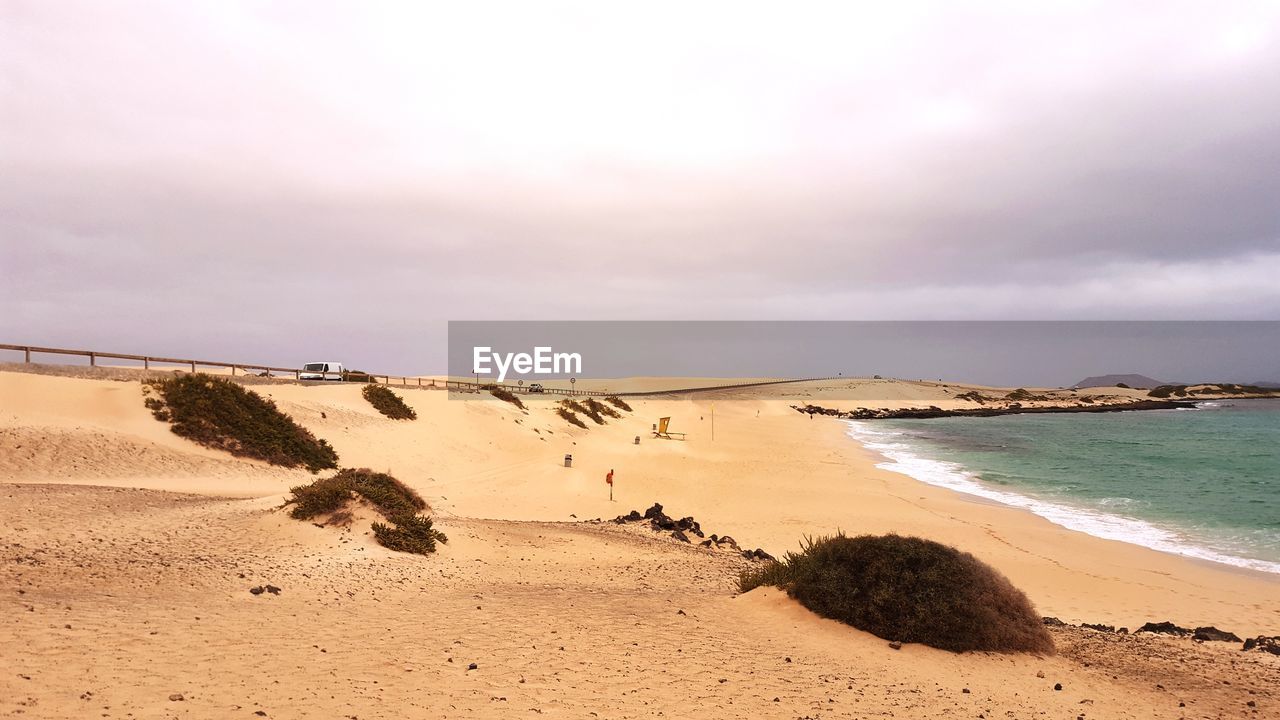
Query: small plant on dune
[[506, 396], [326, 495], [577, 407], [618, 402], [410, 533], [570, 417], [388, 403], [221, 414], [601, 409], [910, 590], [398, 503]]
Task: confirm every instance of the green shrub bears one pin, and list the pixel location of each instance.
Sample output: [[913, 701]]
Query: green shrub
[[506, 396], [411, 534], [618, 403], [568, 415], [910, 590], [388, 403], [326, 495], [221, 414], [395, 501], [1122, 385]]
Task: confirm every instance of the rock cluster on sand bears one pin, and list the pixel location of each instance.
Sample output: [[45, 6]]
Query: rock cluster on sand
[[1207, 633], [1263, 643], [933, 411], [681, 529]]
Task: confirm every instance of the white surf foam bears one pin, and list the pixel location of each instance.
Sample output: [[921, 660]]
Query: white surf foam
[[902, 458]]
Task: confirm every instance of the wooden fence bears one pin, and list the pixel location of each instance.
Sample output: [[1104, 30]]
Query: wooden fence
[[400, 380]]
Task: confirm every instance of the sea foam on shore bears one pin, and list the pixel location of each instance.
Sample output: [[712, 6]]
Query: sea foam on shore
[[902, 457]]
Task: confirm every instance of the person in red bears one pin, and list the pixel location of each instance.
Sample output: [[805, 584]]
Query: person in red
[[609, 479]]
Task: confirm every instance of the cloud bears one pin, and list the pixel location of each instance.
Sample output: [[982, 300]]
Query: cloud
[[401, 165]]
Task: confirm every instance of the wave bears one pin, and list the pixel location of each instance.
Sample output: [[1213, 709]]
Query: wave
[[902, 458]]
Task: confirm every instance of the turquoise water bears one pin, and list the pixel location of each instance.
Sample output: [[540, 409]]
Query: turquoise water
[[1203, 483]]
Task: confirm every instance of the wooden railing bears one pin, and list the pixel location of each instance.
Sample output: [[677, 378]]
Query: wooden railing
[[401, 380]]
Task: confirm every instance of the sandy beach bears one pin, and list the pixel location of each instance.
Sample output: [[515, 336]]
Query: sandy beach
[[129, 552]]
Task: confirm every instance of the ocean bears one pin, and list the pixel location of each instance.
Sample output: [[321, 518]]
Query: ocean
[[1204, 483]]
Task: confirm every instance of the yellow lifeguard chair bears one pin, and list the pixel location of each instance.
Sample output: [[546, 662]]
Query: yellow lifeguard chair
[[661, 431]]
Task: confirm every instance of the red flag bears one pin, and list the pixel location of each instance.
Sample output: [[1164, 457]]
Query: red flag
[[609, 478]]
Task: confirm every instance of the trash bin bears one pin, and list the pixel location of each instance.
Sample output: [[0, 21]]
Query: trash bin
[[637, 439], [568, 460]]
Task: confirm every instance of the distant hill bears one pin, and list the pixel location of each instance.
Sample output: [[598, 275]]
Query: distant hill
[[1272, 385], [1133, 380]]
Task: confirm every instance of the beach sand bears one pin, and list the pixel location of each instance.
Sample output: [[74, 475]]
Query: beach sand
[[128, 554]]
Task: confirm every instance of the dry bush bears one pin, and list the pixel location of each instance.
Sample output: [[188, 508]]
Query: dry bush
[[569, 416], [601, 409], [506, 396], [910, 590], [618, 402], [577, 407], [221, 414]]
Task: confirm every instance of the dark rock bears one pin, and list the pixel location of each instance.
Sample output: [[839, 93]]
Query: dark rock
[[1263, 643], [726, 540], [1164, 628], [679, 535], [655, 511], [663, 523], [762, 555], [1099, 628], [257, 590], [706, 543], [473, 666], [895, 645], [273, 589], [176, 697], [1057, 686], [1053, 621], [1210, 634], [965, 691]]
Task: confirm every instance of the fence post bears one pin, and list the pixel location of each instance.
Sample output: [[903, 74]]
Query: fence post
[[28, 355], [93, 359], [233, 371], [297, 374], [146, 363], [193, 366]]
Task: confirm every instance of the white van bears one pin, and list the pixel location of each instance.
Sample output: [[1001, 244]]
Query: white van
[[322, 371]]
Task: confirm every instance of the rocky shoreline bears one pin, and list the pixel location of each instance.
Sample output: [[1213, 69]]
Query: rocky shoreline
[[934, 411]]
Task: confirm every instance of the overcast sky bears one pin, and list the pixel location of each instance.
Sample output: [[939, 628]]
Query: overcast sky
[[286, 181]]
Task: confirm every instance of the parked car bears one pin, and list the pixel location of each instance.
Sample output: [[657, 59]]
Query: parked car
[[322, 371], [536, 388]]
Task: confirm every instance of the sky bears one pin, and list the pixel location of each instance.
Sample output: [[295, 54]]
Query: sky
[[289, 181]]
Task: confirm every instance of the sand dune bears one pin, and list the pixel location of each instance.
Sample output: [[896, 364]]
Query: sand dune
[[151, 583], [117, 617]]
